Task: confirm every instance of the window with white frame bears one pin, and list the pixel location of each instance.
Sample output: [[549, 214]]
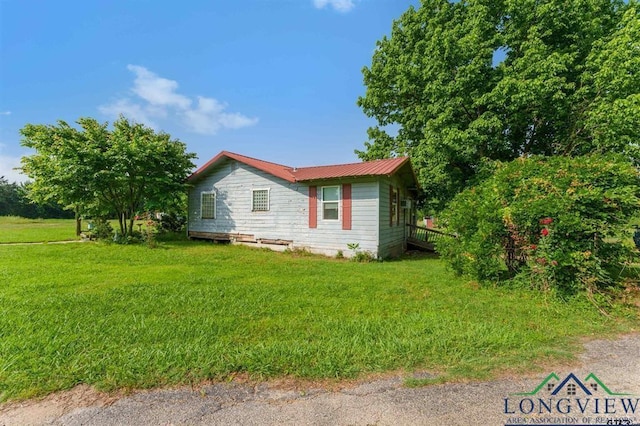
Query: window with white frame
[[259, 200], [330, 202], [208, 205]]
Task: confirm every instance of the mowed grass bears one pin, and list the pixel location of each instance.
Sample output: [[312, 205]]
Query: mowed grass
[[133, 317], [20, 230]]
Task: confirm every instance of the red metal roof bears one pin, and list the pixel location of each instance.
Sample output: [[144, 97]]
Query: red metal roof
[[368, 168], [278, 170]]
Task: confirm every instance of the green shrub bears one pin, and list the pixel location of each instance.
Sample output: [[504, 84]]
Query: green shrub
[[363, 257], [135, 237], [358, 255], [102, 229], [171, 222], [551, 222]]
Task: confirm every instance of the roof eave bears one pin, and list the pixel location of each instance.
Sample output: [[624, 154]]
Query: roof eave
[[337, 178], [206, 166], [230, 155]]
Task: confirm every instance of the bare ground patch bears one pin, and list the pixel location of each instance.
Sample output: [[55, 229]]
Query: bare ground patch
[[53, 406]]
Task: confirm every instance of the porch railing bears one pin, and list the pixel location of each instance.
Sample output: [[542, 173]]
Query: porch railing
[[425, 237]]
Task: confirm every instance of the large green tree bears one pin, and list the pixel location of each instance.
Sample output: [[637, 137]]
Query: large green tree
[[59, 168], [100, 171], [610, 92], [460, 83]]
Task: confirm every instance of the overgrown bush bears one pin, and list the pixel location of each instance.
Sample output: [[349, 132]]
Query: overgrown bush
[[551, 222], [171, 222], [135, 237], [102, 229], [364, 257]]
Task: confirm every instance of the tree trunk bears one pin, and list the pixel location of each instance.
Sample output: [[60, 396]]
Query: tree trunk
[[78, 222], [123, 227], [510, 252]]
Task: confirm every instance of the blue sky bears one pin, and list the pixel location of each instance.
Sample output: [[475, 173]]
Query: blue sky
[[273, 79]]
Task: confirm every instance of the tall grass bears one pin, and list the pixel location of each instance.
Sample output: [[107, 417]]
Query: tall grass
[[128, 316]]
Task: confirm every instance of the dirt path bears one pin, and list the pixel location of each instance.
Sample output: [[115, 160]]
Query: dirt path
[[37, 243], [615, 363]]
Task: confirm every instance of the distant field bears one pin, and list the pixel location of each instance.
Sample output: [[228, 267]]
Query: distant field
[[20, 230], [132, 317]]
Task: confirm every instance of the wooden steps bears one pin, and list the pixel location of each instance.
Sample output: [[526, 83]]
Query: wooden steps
[[223, 237]]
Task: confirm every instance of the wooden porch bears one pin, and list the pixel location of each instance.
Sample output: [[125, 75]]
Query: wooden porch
[[422, 238]]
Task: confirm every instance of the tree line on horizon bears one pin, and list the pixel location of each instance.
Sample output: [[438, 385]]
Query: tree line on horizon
[[15, 201]]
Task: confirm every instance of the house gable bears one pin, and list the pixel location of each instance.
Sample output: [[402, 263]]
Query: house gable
[[277, 170]]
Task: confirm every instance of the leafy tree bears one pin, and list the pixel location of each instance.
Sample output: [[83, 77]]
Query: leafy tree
[[15, 202], [553, 222], [98, 171], [436, 79], [610, 91], [60, 169], [9, 199]]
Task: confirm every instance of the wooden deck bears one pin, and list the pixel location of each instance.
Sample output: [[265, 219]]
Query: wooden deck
[[423, 238]]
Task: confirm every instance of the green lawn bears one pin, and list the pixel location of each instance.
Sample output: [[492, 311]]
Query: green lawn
[[20, 230], [129, 316]]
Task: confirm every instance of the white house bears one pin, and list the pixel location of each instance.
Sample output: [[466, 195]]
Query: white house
[[322, 209]]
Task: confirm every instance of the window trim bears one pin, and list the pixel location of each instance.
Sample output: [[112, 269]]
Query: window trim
[[215, 205], [338, 201], [253, 191], [394, 210]]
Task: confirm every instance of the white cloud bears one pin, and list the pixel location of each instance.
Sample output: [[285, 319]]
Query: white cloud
[[157, 90], [7, 166], [339, 5], [131, 110], [5, 113], [209, 116], [157, 98]]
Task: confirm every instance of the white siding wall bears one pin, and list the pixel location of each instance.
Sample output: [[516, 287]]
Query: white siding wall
[[392, 238], [288, 217]]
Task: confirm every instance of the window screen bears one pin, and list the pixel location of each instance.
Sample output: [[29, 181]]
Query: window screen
[[208, 205], [330, 202], [260, 200]]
